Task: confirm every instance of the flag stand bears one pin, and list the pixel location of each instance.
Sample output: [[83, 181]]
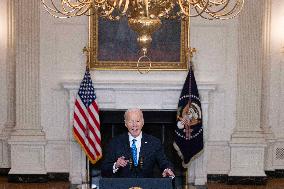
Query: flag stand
[[186, 185], [86, 184]]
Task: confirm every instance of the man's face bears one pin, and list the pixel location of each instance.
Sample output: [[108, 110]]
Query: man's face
[[134, 122]]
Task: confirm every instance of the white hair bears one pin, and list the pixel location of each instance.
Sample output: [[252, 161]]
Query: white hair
[[133, 110]]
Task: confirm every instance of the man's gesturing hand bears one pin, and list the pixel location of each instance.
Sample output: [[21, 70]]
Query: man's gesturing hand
[[168, 173], [121, 162]]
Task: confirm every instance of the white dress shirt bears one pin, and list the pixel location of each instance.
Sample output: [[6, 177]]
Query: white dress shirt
[[137, 143], [138, 146]]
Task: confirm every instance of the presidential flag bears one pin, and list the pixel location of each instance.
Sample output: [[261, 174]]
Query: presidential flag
[[188, 139], [86, 127]]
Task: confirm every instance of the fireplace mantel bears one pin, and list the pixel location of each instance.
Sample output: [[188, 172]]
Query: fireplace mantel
[[144, 94], [147, 95]]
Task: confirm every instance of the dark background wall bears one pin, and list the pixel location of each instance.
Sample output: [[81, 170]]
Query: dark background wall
[[160, 124]]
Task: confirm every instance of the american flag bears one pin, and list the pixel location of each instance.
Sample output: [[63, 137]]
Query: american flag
[[86, 126]]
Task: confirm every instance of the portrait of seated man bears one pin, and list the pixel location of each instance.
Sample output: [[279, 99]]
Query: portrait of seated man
[[135, 154]]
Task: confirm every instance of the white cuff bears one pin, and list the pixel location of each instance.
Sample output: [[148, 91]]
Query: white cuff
[[114, 170]]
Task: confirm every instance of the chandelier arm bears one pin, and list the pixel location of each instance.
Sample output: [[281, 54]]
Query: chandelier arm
[[54, 15], [105, 13], [90, 13], [120, 3], [125, 6], [169, 9], [201, 14], [182, 8], [66, 14], [96, 2], [238, 6], [146, 8], [218, 9], [108, 10], [85, 1], [198, 2], [200, 9], [201, 6], [135, 3], [114, 4], [196, 7], [112, 7], [50, 9], [192, 2], [70, 5], [79, 7], [110, 17], [208, 10], [79, 11], [108, 13], [221, 2], [65, 5], [207, 18], [229, 14], [220, 14]]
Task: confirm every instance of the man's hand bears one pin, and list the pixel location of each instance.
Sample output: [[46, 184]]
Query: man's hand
[[168, 173], [121, 162]]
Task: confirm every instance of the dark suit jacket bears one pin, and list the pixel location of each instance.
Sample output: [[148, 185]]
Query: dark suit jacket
[[151, 151]]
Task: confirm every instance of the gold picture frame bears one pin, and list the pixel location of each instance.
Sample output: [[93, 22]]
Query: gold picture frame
[[106, 51]]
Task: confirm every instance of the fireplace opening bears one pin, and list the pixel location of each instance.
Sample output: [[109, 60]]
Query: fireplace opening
[[160, 124]]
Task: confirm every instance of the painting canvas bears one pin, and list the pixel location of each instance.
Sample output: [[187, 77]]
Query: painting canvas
[[113, 45]]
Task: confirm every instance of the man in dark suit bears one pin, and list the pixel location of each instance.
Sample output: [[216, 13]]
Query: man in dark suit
[[134, 154]]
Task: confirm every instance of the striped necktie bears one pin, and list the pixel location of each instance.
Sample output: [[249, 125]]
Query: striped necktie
[[134, 152]]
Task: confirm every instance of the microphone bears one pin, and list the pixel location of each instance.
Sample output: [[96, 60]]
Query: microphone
[[140, 162], [131, 163]]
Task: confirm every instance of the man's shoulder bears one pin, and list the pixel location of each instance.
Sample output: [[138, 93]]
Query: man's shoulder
[[150, 137], [120, 137]]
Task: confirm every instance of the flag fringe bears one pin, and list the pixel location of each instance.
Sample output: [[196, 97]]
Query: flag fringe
[[93, 161], [186, 165]]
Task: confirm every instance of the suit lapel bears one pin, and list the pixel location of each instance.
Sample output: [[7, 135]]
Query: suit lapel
[[144, 145], [126, 146]]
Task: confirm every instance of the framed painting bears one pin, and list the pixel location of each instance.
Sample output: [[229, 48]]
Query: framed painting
[[113, 46]]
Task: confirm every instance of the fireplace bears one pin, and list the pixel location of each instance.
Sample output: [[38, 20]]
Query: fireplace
[[158, 123], [158, 99]]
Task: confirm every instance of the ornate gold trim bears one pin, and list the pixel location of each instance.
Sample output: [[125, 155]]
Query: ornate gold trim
[[123, 65]]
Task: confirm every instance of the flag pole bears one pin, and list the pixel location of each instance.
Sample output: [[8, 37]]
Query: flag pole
[[87, 185], [186, 185], [86, 51], [190, 52]]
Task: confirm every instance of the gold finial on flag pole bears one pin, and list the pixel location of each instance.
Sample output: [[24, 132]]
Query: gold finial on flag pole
[[86, 51], [191, 52]]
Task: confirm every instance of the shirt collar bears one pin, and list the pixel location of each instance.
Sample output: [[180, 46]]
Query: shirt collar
[[138, 138]]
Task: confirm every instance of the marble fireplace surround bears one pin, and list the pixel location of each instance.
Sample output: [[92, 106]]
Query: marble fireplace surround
[[121, 95]]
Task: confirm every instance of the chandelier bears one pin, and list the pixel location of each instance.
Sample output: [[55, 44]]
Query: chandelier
[[144, 16]]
